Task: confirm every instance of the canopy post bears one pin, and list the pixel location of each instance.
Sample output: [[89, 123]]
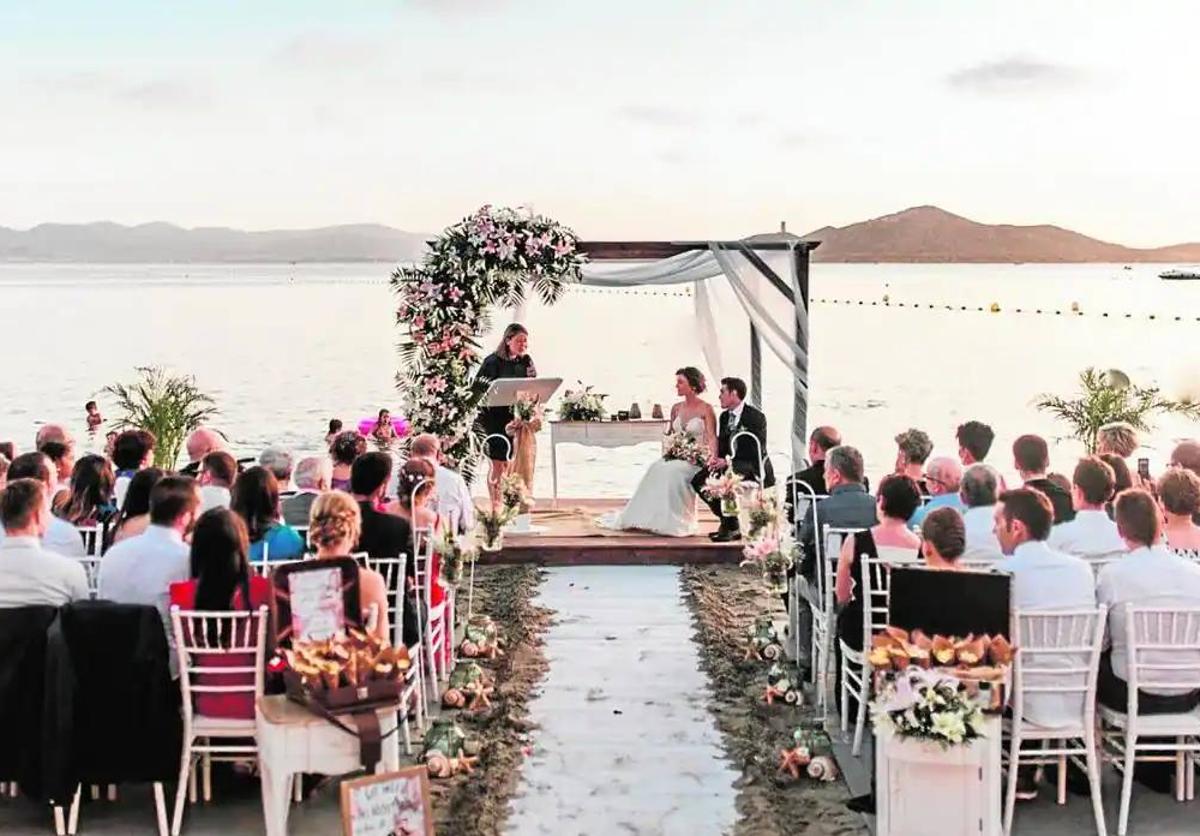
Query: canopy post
[[800, 382], [755, 368]]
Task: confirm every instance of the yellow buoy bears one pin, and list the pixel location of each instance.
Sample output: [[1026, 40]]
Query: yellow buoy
[[995, 308], [1074, 307]]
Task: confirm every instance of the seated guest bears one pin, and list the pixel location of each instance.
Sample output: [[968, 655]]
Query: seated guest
[[140, 570], [30, 574], [1122, 479], [980, 486], [313, 475], [974, 441], [346, 447], [90, 498], [134, 515], [822, 440], [1179, 495], [132, 451], [912, 449], [1031, 458], [943, 478], [52, 432], [943, 539], [61, 537], [62, 459], [255, 498], [1091, 533], [1118, 439], [199, 444], [217, 473], [279, 462], [898, 498], [221, 581], [334, 528], [1043, 577], [1150, 575], [847, 506], [452, 500]]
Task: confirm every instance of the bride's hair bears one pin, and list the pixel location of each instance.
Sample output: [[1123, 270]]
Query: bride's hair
[[694, 377]]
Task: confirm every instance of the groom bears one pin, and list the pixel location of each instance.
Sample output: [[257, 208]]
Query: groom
[[737, 417]]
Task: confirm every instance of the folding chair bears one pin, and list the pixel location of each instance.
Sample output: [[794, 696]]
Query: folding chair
[[856, 668]]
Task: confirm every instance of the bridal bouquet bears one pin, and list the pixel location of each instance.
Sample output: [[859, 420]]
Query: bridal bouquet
[[724, 486], [774, 555], [684, 446], [927, 705], [581, 405]]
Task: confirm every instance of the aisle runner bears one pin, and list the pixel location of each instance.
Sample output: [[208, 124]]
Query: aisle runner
[[626, 743]]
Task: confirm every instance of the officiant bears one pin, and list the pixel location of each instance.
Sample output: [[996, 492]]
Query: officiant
[[509, 360]]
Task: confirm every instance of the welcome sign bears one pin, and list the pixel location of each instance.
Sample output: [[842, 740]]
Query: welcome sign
[[391, 804]]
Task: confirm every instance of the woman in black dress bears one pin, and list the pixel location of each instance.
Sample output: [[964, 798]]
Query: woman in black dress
[[508, 360]]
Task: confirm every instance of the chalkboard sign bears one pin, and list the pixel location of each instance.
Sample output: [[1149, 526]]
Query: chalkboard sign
[[392, 804], [949, 603]]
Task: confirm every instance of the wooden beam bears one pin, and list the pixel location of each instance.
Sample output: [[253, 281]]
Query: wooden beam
[[634, 250]]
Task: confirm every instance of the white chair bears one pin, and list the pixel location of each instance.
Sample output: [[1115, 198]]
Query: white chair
[[1099, 561], [435, 637], [91, 567], [201, 636], [856, 668], [1054, 700], [821, 602], [898, 555], [93, 540], [803, 498], [392, 570], [1163, 655]]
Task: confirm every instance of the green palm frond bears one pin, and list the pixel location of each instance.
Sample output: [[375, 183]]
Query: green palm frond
[[166, 405]]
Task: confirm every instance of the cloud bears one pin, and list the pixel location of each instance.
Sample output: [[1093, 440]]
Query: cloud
[[659, 116], [1013, 75], [165, 94], [447, 8], [321, 50], [85, 81], [796, 139]]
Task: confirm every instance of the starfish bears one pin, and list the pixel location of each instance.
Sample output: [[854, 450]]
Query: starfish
[[789, 762], [772, 692], [480, 698], [463, 764]]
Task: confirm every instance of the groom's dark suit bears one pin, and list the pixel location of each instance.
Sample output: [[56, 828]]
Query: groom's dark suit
[[744, 461]]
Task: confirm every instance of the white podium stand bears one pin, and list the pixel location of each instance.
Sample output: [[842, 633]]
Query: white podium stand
[[922, 789]]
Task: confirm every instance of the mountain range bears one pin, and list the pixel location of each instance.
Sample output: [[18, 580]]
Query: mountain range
[[919, 234]]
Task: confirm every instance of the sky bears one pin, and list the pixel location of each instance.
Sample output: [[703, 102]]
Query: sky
[[621, 118]]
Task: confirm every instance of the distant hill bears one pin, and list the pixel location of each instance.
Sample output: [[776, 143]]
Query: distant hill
[[930, 234], [162, 242]]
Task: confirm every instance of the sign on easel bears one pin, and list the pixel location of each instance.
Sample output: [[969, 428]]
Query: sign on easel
[[391, 804]]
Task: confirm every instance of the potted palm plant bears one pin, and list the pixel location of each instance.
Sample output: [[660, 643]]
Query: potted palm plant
[[169, 406]]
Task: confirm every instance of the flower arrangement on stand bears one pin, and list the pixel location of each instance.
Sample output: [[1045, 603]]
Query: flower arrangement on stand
[[774, 555], [488, 258], [927, 705], [528, 409], [724, 486], [761, 511], [581, 404], [514, 496], [685, 447], [456, 554], [489, 525]]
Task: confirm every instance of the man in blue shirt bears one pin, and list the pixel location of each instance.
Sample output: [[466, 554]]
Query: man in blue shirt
[[943, 475]]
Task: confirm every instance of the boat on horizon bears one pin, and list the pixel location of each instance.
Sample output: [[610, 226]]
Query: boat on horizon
[[1181, 273]]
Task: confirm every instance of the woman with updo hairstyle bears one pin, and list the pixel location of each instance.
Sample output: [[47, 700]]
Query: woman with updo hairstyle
[[334, 526], [346, 447], [415, 489], [1179, 496]]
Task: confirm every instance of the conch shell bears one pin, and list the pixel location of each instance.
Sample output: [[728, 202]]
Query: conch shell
[[822, 768]]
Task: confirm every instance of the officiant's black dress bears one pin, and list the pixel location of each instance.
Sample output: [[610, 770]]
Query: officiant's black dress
[[493, 419]]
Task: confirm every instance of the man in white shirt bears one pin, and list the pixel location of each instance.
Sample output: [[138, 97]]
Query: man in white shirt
[[140, 570], [217, 472], [1091, 533], [30, 574], [978, 490], [60, 536], [453, 500]]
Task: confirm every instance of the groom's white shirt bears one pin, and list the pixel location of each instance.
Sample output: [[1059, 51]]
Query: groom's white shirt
[[735, 414]]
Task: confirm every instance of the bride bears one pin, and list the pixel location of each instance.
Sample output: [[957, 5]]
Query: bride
[[665, 502]]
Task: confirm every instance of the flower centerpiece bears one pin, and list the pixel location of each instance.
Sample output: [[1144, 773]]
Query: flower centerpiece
[[489, 524], [927, 705], [774, 555], [724, 486], [456, 553], [514, 496], [685, 447], [528, 408], [581, 404]]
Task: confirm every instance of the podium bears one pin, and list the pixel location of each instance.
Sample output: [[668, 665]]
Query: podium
[[507, 391]]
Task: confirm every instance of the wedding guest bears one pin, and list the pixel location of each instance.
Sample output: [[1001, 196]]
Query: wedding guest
[[110, 440], [413, 505], [1179, 495], [1122, 479], [943, 478], [1031, 458], [62, 458], [943, 539], [90, 498], [313, 477], [255, 498], [974, 441], [132, 451], [820, 442], [1119, 438], [347, 446], [898, 498], [912, 449], [509, 360], [61, 537], [279, 462], [1091, 533], [979, 489], [452, 501], [217, 473], [199, 444], [134, 516], [334, 528], [51, 432], [221, 581], [141, 569], [847, 506], [335, 427], [383, 431], [381, 534], [30, 573], [94, 418]]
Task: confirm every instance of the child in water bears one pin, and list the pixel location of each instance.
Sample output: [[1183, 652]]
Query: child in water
[[94, 418]]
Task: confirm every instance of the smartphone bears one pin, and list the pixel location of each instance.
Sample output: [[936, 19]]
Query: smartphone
[[1144, 469]]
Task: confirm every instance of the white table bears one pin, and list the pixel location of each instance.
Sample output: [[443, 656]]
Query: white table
[[291, 739], [606, 434]]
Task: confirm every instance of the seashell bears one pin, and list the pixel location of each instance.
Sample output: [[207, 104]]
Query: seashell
[[439, 765], [454, 698], [822, 768], [469, 649]]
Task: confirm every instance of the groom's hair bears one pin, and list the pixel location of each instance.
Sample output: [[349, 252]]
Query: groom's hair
[[735, 385]]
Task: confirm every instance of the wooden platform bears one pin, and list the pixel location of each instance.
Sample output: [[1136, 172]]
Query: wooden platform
[[571, 538]]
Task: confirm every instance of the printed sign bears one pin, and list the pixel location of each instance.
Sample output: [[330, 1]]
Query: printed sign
[[318, 607], [392, 804]]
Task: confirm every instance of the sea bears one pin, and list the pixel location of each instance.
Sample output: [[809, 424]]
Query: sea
[[283, 348]]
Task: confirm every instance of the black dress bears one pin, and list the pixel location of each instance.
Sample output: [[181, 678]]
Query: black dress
[[850, 618], [493, 419]]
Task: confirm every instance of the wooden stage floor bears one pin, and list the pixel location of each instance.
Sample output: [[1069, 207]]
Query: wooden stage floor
[[570, 537]]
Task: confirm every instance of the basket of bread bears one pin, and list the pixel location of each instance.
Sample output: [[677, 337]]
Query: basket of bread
[[983, 663], [346, 673]]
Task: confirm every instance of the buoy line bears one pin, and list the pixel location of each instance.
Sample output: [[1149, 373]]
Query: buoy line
[[994, 307]]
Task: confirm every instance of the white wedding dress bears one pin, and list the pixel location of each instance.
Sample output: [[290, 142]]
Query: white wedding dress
[[664, 502]]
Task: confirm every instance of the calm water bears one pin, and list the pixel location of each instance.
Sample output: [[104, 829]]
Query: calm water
[[284, 348]]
